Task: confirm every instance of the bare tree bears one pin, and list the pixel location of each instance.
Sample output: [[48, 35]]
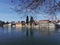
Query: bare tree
[[29, 6]]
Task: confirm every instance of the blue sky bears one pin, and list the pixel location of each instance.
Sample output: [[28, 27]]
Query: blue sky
[[6, 14]]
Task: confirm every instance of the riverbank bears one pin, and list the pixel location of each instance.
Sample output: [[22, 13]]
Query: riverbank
[[40, 25]]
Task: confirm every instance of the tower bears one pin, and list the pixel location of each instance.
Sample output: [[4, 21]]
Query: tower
[[27, 20]]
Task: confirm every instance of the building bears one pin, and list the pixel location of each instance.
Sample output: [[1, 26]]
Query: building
[[23, 22], [18, 25], [46, 24]]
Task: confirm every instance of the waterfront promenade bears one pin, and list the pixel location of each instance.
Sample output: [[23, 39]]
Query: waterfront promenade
[[36, 24], [39, 25]]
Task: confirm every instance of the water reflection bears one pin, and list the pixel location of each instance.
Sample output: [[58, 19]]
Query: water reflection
[[29, 32], [39, 36]]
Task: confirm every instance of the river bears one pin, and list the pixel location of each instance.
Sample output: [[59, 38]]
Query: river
[[29, 36]]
